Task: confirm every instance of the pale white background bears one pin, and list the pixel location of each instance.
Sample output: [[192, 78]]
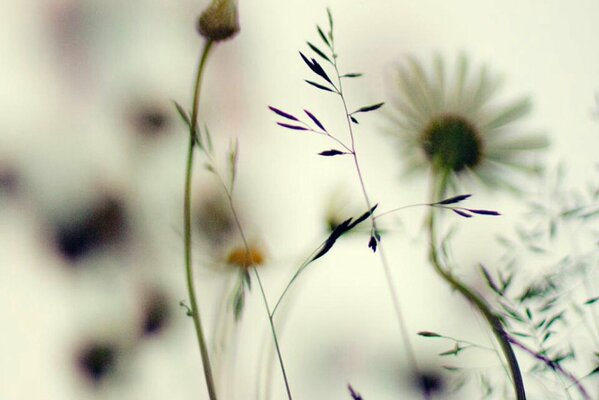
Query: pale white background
[[68, 72]]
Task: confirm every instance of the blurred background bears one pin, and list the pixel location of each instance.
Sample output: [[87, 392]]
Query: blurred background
[[92, 156]]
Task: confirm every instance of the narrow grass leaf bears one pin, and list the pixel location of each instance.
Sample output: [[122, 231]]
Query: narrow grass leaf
[[329, 153], [595, 371], [372, 243], [319, 86], [355, 121], [319, 52], [489, 279], [233, 157], [352, 75], [315, 120], [294, 127], [483, 212], [363, 217], [318, 70], [323, 37], [354, 395], [461, 213], [428, 334], [330, 15], [283, 113], [368, 108], [336, 234], [453, 200], [208, 137], [182, 113], [592, 300]]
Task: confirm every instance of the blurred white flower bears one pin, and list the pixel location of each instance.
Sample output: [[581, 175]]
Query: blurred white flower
[[448, 125]]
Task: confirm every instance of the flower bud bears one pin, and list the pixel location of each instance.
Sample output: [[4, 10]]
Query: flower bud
[[220, 21]]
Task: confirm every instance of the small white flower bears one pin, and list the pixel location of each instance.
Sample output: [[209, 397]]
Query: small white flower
[[220, 21], [450, 127]]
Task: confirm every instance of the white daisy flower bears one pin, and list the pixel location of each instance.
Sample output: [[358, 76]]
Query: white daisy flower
[[449, 126]]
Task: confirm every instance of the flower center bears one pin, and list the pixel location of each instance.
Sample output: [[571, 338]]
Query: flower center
[[452, 143], [242, 258]]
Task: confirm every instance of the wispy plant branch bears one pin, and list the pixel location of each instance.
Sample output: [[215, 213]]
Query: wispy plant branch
[[494, 321]]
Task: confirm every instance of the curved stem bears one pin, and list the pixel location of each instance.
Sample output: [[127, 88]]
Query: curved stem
[[262, 292], [477, 301], [195, 311], [374, 231]]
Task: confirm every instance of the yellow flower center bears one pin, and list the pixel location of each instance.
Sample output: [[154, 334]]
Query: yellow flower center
[[451, 143], [242, 258]]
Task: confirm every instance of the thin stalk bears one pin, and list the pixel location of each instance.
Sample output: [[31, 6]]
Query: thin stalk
[[382, 255], [262, 292], [476, 300], [195, 310]]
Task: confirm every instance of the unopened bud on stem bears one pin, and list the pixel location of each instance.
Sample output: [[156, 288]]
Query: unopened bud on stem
[[220, 21]]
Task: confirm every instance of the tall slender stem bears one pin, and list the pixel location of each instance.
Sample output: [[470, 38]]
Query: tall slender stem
[[195, 310], [261, 286], [474, 298], [381, 250]]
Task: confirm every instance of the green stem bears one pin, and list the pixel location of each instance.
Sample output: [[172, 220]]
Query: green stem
[[476, 300], [403, 326], [195, 311], [262, 292]]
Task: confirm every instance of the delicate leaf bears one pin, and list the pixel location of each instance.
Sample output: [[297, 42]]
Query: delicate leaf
[[372, 244], [247, 278], [368, 108], [315, 120], [319, 86], [528, 313], [591, 300], [188, 311], [355, 395], [328, 153], [429, 334], [209, 168], [462, 213], [319, 52], [294, 127], [483, 212], [336, 234], [323, 37], [596, 370], [238, 303], [355, 121], [453, 200], [450, 368], [316, 68], [208, 139], [352, 75], [339, 230], [307, 61], [453, 352], [182, 113], [554, 319], [490, 282], [283, 113], [233, 156], [330, 15], [363, 217]]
